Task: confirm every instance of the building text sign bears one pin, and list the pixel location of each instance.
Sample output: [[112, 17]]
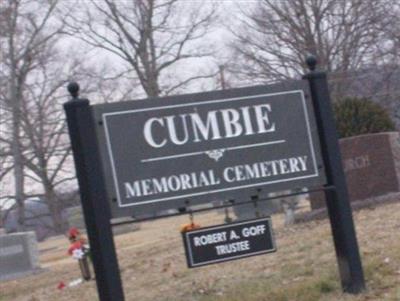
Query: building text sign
[[227, 242], [170, 152]]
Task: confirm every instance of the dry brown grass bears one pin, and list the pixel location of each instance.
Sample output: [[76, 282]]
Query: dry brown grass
[[153, 265]]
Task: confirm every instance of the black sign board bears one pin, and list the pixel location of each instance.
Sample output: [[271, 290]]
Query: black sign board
[[228, 242], [161, 153]]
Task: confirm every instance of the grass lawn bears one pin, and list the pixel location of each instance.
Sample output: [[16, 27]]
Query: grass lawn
[[304, 268]]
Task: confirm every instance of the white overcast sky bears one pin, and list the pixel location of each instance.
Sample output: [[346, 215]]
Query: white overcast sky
[[229, 12]]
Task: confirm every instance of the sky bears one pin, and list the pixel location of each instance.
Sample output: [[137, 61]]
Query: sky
[[219, 36]]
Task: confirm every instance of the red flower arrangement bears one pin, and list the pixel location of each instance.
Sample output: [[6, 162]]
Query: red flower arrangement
[[76, 246], [79, 250]]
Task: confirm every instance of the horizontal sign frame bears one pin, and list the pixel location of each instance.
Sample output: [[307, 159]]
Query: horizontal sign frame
[[122, 206], [115, 177]]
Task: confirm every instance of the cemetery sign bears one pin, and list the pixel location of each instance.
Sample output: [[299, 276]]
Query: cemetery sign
[[161, 153], [144, 156]]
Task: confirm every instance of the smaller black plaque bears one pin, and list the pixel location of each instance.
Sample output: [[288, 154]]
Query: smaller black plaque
[[228, 242]]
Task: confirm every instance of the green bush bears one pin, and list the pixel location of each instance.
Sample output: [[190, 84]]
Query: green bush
[[357, 116]]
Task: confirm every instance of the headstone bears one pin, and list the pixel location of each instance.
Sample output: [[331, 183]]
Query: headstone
[[394, 139], [18, 255], [371, 164], [127, 227], [264, 208]]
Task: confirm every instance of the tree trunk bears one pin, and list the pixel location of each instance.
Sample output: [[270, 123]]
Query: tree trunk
[[18, 172], [55, 208], [17, 152]]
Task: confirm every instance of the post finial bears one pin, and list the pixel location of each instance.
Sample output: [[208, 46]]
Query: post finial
[[73, 89], [311, 62]]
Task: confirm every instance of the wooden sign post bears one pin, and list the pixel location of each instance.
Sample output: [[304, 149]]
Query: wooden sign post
[[93, 196], [337, 200]]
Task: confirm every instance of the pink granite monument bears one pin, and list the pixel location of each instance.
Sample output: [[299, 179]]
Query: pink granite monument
[[371, 164]]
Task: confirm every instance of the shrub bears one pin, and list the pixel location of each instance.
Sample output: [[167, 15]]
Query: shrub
[[357, 116]]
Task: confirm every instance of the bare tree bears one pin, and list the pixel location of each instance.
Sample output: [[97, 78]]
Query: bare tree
[[47, 154], [352, 40], [379, 79], [5, 149], [23, 37], [27, 34], [273, 38], [151, 37], [391, 24]]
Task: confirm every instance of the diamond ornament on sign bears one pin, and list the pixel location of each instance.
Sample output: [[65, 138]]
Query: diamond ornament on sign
[[215, 154]]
